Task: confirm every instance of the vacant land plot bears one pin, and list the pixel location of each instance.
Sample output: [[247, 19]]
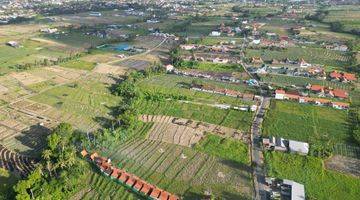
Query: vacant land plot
[[344, 164], [183, 171], [312, 55], [133, 64], [319, 182], [306, 123], [229, 118]]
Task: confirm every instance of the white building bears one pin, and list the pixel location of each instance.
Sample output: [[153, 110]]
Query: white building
[[215, 33], [298, 147], [297, 190]]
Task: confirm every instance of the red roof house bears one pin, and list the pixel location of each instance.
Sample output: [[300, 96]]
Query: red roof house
[[349, 77], [164, 195], [138, 185], [146, 189], [155, 193], [131, 181], [317, 88], [340, 93], [335, 75]]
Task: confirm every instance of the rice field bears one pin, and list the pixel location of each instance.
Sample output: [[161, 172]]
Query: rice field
[[183, 171]]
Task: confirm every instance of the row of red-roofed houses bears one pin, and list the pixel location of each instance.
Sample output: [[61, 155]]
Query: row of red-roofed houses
[[282, 95], [322, 90], [342, 76], [129, 180]]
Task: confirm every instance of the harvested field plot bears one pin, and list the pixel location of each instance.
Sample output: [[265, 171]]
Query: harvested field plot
[[306, 123], [103, 68], [344, 164], [186, 132], [134, 64], [26, 78], [183, 171]]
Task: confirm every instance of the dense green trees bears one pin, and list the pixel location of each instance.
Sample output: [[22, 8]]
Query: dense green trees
[[58, 174]]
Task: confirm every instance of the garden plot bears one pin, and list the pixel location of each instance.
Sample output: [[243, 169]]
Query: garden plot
[[344, 164], [186, 132], [183, 171]]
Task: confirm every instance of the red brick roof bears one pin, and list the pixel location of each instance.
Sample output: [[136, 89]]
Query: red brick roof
[[349, 77], [317, 88], [131, 181], [164, 195], [138, 185], [124, 176], [280, 92], [340, 93], [94, 155], [155, 193], [84, 153], [173, 197], [335, 74], [115, 172], [146, 188]]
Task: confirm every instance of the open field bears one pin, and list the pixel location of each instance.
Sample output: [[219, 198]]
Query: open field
[[319, 183], [179, 85], [312, 55], [230, 118], [348, 15], [183, 171], [308, 123], [302, 81]]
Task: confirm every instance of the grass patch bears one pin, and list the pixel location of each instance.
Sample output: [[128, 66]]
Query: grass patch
[[226, 148], [319, 182], [306, 123], [79, 64]]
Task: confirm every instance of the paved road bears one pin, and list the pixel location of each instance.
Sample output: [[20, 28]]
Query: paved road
[[256, 151]]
